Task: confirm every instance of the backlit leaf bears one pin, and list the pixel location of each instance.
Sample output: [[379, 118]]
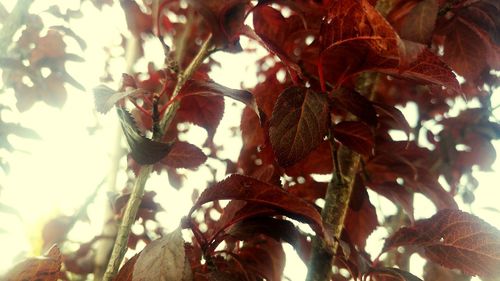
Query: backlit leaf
[[454, 239], [200, 87], [163, 259], [106, 98], [298, 124], [143, 150], [355, 135]]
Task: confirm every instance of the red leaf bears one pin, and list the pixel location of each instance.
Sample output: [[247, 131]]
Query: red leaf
[[200, 87], [454, 239], [355, 135], [298, 124], [47, 268], [202, 111], [264, 258], [356, 38], [184, 155], [238, 187]]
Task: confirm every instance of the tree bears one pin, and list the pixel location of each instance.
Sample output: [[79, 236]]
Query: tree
[[349, 64]]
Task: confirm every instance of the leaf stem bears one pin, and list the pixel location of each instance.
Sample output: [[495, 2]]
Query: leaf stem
[[120, 246]]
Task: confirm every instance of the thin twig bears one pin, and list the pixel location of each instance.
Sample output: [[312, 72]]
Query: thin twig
[[120, 246]]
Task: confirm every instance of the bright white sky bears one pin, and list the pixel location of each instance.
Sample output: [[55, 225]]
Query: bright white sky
[[56, 174]]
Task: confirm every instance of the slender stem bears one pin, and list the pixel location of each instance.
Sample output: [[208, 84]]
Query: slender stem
[[128, 219], [181, 80], [120, 246], [12, 23]]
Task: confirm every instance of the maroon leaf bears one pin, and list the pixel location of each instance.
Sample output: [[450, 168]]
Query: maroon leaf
[[184, 155], [318, 161], [355, 135], [143, 150], [238, 187], [200, 87], [298, 124], [356, 104], [392, 117], [454, 239]]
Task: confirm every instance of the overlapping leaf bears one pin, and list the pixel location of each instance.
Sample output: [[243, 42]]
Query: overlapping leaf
[[200, 87], [238, 187], [454, 239], [298, 124]]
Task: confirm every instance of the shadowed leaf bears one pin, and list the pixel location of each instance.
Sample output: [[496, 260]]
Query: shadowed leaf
[[238, 187], [184, 155]]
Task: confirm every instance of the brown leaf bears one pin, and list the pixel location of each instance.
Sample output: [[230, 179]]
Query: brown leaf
[[415, 20], [163, 259], [454, 239], [298, 124], [204, 111]]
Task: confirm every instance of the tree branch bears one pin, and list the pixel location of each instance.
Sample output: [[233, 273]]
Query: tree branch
[[120, 246], [334, 212]]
